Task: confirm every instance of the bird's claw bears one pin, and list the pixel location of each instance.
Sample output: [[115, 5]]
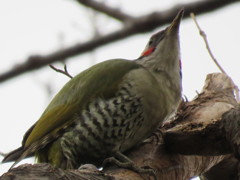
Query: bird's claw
[[128, 164]]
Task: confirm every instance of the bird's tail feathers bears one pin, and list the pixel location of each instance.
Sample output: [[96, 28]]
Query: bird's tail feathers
[[13, 155]]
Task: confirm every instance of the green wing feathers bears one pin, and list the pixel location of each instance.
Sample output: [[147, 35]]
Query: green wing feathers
[[100, 80]]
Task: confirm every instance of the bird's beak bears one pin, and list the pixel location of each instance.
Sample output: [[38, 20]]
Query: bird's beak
[[174, 27]]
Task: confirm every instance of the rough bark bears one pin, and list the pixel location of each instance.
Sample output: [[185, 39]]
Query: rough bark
[[201, 139]]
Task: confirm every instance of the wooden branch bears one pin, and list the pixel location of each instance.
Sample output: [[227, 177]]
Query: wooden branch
[[48, 172], [103, 8], [138, 25], [65, 71], [202, 120], [226, 170], [204, 6], [202, 135]]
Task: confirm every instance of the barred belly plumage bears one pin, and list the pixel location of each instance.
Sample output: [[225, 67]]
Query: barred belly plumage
[[102, 127]]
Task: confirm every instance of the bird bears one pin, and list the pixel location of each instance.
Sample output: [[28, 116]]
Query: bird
[[108, 108]]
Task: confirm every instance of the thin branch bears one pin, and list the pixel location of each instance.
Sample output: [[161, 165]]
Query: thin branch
[[103, 8], [138, 25], [204, 36], [65, 72]]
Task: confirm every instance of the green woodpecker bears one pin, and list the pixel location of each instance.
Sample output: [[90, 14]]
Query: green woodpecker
[[108, 108]]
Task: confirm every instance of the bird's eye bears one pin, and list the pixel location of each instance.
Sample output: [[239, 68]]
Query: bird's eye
[[150, 42]]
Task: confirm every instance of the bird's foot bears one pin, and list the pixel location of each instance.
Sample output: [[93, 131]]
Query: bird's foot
[[124, 162]]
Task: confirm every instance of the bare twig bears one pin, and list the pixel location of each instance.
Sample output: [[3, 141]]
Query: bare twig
[[139, 25], [204, 36], [65, 72], [103, 8]]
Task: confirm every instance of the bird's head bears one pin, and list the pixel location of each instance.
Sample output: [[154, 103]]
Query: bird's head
[[163, 50]]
